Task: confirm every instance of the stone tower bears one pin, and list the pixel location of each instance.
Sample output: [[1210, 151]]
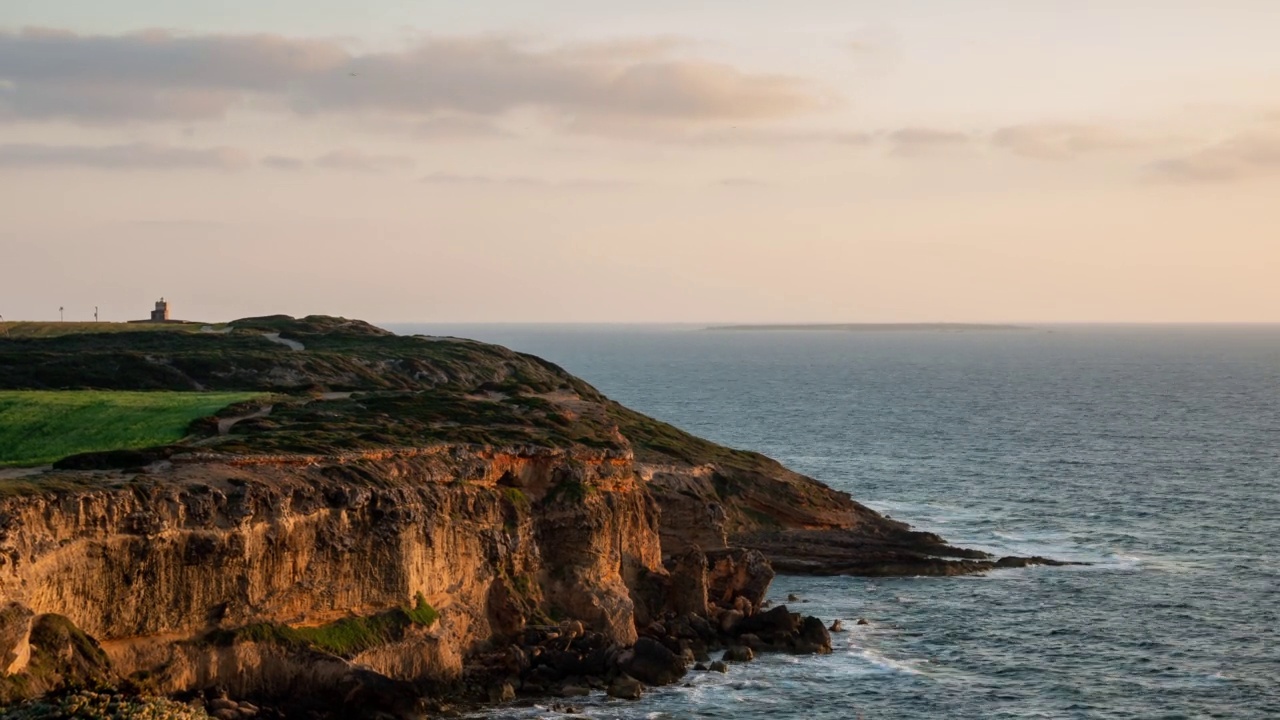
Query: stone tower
[[161, 313]]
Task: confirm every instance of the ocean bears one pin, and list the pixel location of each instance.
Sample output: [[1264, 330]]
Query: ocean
[[1152, 453]]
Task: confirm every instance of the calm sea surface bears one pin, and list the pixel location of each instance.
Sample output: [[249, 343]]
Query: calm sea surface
[[1153, 453]]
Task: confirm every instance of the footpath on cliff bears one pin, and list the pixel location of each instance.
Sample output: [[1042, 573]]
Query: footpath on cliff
[[396, 525]]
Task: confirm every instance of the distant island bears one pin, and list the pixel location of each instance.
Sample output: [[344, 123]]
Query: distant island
[[873, 327]]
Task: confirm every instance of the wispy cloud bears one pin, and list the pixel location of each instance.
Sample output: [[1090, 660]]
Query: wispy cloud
[[1052, 141], [1245, 156], [281, 162], [525, 181], [919, 140], [741, 182], [354, 160], [134, 156], [164, 76]]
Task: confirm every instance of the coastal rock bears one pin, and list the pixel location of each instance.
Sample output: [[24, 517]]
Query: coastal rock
[[626, 687], [739, 653], [719, 666], [837, 626], [729, 619], [813, 639], [652, 663]]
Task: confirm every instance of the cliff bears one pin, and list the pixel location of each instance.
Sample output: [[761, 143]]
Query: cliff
[[391, 515]]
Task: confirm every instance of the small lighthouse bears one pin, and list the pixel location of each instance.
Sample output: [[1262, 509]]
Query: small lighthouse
[[161, 313]]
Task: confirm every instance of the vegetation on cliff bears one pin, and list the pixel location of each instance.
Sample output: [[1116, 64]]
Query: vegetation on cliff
[[345, 638], [38, 427]]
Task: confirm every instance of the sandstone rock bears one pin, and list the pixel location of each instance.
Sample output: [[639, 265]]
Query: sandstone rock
[[626, 687], [719, 666], [863, 621], [688, 589], [738, 653], [792, 597], [226, 714], [15, 632], [738, 572], [223, 703], [701, 667], [573, 691], [836, 626]]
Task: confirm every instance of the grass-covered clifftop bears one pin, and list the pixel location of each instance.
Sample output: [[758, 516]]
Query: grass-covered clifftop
[[41, 426]]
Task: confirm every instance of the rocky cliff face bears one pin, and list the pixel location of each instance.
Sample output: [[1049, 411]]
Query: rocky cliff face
[[151, 565]]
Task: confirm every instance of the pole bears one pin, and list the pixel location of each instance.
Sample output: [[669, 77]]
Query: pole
[[95, 313], [60, 318]]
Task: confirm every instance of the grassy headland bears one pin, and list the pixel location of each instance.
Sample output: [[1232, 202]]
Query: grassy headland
[[38, 427]]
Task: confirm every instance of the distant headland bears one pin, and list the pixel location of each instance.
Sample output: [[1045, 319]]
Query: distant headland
[[873, 327]]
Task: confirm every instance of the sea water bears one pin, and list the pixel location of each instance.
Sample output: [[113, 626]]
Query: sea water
[[1152, 453]]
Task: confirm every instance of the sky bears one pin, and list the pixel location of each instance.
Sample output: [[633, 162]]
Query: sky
[[642, 161]]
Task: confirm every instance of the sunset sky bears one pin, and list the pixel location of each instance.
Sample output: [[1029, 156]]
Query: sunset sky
[[628, 161]]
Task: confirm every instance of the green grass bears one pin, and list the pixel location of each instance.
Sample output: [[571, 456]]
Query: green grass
[[54, 329], [39, 427], [345, 638]]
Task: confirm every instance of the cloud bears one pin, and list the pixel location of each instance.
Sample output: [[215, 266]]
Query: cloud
[[281, 162], [163, 76], [354, 160], [135, 156], [1059, 141], [745, 136], [445, 178], [454, 127], [1245, 156], [919, 140], [526, 181]]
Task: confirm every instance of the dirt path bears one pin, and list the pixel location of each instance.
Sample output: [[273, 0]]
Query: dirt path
[[225, 424], [291, 344]]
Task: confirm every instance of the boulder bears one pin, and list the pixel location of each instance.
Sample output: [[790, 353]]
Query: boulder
[[573, 691], [502, 693], [772, 625], [652, 663], [626, 687], [739, 653], [729, 619], [836, 626], [813, 637], [719, 667], [737, 572], [752, 641]]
